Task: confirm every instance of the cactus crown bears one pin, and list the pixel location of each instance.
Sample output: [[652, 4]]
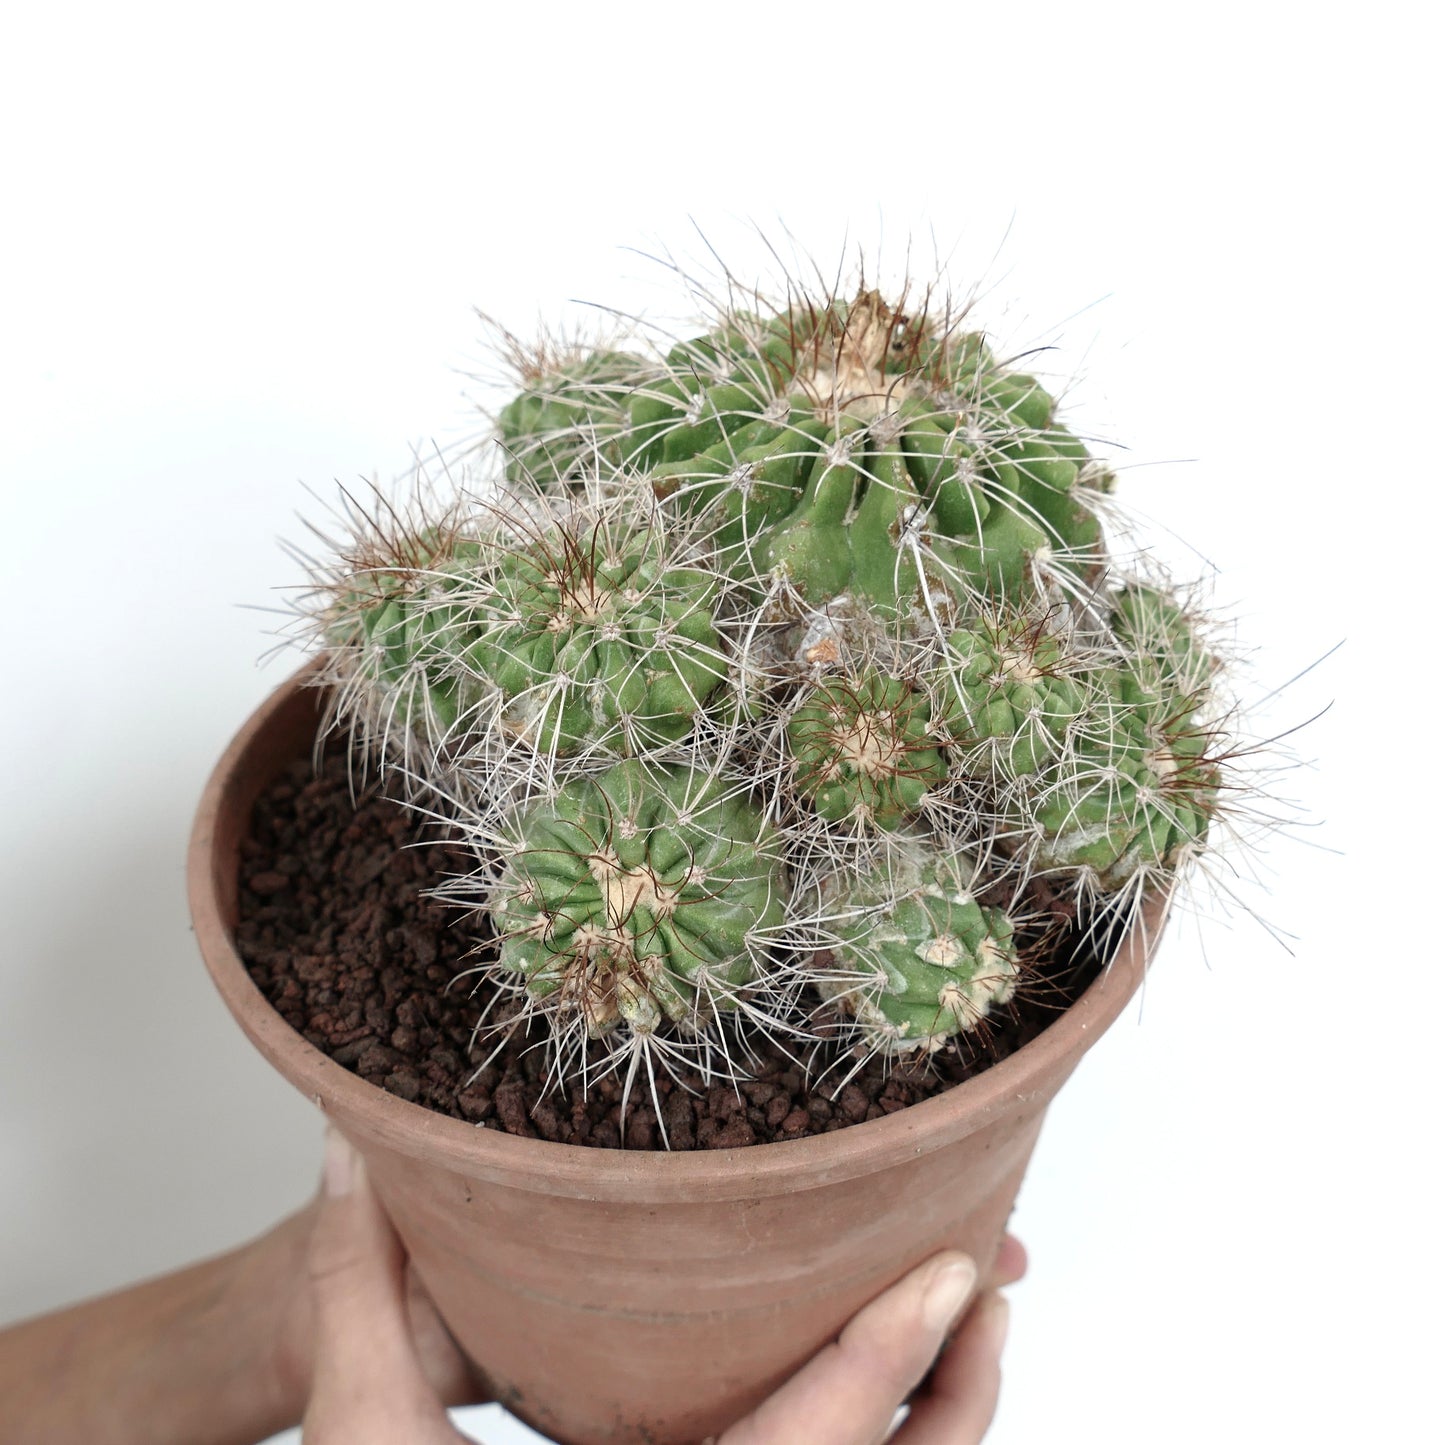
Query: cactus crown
[[782, 674]]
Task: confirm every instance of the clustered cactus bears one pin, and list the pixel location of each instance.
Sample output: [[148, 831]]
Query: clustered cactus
[[779, 677]]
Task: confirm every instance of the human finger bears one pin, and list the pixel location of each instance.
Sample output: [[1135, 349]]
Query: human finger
[[1010, 1263], [448, 1371], [368, 1387], [962, 1395], [849, 1392]]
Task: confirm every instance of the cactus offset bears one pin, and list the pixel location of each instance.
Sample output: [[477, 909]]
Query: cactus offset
[[918, 958], [571, 416], [1013, 690], [638, 897], [592, 638], [1133, 804], [863, 748]]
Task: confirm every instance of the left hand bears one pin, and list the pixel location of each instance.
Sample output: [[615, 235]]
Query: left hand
[[377, 1362]]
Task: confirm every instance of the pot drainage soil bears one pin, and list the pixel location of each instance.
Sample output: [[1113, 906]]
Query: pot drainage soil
[[337, 934]]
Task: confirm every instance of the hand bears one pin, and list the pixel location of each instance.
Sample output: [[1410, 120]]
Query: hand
[[229, 1350], [849, 1392], [381, 1363]]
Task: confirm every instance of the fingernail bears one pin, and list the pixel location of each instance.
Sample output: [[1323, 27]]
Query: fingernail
[[338, 1171], [948, 1291]]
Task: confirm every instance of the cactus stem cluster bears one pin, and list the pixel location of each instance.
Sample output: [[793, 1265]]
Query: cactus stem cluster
[[782, 678]]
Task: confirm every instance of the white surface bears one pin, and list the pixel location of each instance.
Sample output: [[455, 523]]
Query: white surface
[[239, 255]]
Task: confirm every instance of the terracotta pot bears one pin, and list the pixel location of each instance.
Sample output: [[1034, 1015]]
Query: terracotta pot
[[615, 1296]]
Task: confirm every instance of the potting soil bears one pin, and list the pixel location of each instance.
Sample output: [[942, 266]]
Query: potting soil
[[336, 931]]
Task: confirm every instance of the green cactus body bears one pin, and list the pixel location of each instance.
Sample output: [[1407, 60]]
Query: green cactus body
[[404, 619], [746, 481], [1135, 796], [638, 897], [1003, 483], [863, 748], [595, 648], [930, 960], [1138, 792], [1011, 693], [1164, 650], [847, 448], [572, 418]]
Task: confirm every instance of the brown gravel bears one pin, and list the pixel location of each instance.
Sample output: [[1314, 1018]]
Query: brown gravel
[[337, 935]]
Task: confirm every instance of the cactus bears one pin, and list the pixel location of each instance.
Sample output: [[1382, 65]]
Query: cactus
[[391, 613], [596, 640], [1013, 690], [571, 416], [1135, 795], [863, 748], [851, 447], [576, 632], [637, 897], [1159, 645], [1132, 807], [766, 674], [918, 958]]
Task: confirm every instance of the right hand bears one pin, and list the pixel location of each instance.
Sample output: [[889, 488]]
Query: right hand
[[850, 1391]]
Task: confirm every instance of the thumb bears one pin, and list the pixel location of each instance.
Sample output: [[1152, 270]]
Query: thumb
[[367, 1383]]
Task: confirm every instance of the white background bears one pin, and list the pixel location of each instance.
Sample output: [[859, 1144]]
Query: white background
[[239, 250]]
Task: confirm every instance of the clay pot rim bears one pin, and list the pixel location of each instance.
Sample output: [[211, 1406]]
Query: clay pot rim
[[363, 1109]]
